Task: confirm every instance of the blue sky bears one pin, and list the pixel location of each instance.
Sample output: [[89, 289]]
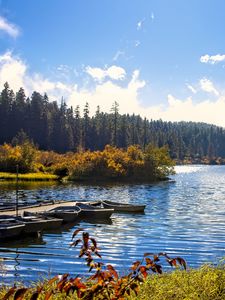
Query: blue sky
[[161, 59]]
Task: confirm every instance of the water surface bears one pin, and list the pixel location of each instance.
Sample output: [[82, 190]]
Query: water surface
[[185, 217]]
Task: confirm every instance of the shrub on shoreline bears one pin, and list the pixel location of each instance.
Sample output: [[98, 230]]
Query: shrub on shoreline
[[110, 164]]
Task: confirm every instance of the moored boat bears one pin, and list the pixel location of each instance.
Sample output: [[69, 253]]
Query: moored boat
[[32, 224], [66, 213], [123, 207], [89, 211], [9, 227], [51, 222]]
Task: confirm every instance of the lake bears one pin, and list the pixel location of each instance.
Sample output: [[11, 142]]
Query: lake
[[184, 217]]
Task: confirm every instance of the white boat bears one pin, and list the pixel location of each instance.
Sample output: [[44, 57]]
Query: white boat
[[67, 213], [123, 207], [89, 211]]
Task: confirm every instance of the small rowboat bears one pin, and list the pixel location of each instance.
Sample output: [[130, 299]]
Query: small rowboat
[[123, 207], [89, 211], [9, 227], [32, 224], [51, 222], [67, 213]]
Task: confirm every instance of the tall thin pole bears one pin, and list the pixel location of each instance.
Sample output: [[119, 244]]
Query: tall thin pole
[[17, 175]]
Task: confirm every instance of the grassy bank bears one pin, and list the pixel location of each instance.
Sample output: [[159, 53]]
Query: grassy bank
[[205, 283], [28, 177]]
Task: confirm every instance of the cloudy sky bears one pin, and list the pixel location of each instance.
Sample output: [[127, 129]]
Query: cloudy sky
[[159, 58]]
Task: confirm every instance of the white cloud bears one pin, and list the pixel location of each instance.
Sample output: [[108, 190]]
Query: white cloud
[[191, 88], [137, 43], [213, 59], [207, 111], [105, 93], [118, 54], [15, 72], [113, 72], [175, 110], [207, 86], [9, 28], [152, 16], [140, 24], [116, 73], [96, 73]]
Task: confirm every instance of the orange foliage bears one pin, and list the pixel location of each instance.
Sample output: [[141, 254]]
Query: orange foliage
[[111, 163]]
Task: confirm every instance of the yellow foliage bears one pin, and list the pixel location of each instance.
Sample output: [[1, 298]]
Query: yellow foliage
[[112, 162]]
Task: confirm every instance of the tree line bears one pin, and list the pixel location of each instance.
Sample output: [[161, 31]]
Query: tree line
[[60, 128]]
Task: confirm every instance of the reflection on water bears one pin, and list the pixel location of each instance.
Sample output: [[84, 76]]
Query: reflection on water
[[183, 217]]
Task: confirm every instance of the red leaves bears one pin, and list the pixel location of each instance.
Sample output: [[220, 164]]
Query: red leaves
[[134, 286], [85, 240], [182, 262], [112, 271], [82, 252], [80, 285], [135, 265], [9, 293], [76, 232], [99, 255], [88, 248], [94, 243], [148, 254], [156, 268], [105, 282], [34, 296], [173, 262], [143, 271], [62, 282], [148, 261], [52, 280], [74, 244], [156, 258], [19, 294], [48, 295]]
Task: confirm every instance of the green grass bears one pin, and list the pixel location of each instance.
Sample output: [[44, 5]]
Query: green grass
[[205, 283], [28, 176]]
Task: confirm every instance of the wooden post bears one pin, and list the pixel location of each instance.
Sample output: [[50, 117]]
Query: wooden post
[[17, 175]]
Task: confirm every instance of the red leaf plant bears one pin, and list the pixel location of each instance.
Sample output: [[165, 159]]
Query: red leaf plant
[[105, 283]]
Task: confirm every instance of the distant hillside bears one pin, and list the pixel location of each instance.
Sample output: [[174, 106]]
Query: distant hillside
[[61, 128]]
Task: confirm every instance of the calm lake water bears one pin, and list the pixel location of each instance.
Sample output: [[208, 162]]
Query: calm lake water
[[185, 217]]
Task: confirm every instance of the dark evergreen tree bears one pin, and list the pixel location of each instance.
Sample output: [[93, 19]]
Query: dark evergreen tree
[[59, 128], [115, 115], [86, 138]]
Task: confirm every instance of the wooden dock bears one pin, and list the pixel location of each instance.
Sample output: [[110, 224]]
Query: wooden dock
[[37, 208]]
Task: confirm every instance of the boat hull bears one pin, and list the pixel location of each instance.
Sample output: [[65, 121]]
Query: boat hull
[[92, 212], [52, 223], [65, 216], [32, 225], [119, 207], [10, 230], [96, 214]]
